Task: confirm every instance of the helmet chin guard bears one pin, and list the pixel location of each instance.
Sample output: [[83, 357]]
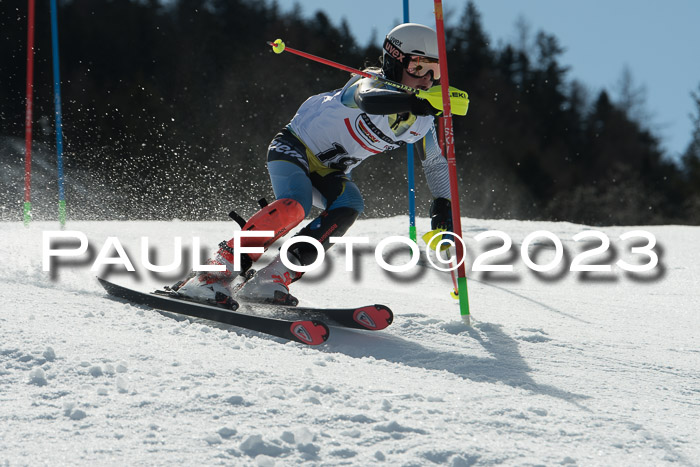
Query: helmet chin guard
[[404, 41]]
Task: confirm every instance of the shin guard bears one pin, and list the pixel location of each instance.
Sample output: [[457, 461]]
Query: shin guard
[[279, 216], [333, 223]]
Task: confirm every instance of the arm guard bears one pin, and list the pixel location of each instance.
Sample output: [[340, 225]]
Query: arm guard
[[434, 165], [373, 98]]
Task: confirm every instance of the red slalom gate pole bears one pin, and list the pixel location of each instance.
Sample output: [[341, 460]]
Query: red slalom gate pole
[[28, 115], [449, 144]]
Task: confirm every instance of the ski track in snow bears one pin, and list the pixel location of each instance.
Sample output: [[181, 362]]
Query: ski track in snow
[[557, 369]]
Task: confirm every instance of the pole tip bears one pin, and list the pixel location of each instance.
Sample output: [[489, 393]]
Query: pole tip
[[278, 46]]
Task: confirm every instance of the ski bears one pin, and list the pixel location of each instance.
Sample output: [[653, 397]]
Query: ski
[[370, 317], [309, 332]]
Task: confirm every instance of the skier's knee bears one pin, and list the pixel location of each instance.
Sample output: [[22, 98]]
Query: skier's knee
[[350, 200], [290, 181], [358, 205]]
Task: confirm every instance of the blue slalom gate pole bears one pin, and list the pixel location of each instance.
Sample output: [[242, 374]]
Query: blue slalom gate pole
[[59, 120], [411, 172]]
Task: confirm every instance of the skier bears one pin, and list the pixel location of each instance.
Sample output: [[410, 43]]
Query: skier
[[310, 163]]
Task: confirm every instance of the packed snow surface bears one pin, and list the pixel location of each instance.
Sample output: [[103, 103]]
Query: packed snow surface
[[557, 368]]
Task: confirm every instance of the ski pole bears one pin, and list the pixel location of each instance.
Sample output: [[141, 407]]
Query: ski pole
[[433, 239], [278, 47], [459, 99]]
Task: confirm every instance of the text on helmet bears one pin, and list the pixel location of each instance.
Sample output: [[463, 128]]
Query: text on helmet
[[394, 52]]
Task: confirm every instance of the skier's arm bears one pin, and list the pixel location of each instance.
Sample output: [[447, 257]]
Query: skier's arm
[[373, 98], [437, 174], [434, 165]]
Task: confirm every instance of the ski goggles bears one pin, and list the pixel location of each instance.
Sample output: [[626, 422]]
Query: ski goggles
[[418, 66]]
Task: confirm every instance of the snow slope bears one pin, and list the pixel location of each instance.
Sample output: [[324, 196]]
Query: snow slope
[[558, 368]]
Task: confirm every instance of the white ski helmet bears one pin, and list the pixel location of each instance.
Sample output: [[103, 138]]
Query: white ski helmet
[[407, 41]]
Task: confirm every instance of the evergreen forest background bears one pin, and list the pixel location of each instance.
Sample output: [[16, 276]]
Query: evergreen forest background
[[168, 110]]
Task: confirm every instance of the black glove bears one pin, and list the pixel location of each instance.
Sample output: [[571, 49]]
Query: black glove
[[421, 107], [441, 214]]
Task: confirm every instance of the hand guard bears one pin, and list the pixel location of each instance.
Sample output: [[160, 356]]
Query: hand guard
[[440, 221], [421, 107]]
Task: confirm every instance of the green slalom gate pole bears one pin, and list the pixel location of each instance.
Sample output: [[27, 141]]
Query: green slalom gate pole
[[449, 140]]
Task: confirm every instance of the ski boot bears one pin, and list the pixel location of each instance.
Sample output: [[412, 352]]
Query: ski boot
[[271, 284], [211, 288]]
